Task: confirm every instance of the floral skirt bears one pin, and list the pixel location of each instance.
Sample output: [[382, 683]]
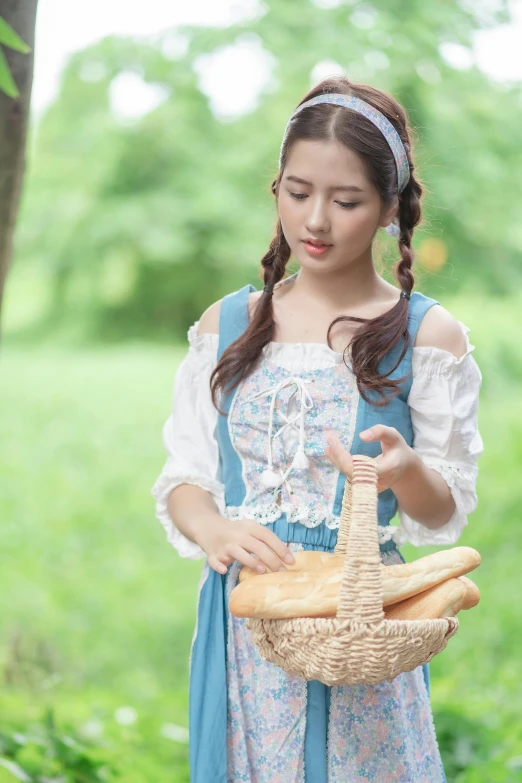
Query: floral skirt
[[278, 728]]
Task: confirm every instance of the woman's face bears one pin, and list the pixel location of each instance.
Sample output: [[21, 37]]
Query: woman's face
[[325, 195]]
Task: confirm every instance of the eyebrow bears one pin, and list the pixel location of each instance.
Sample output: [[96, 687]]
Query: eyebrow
[[291, 178]]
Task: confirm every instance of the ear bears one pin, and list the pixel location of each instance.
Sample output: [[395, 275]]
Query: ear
[[388, 215]]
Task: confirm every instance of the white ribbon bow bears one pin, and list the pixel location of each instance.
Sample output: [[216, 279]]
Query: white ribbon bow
[[269, 478]]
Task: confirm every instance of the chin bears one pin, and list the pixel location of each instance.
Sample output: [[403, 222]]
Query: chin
[[314, 263]]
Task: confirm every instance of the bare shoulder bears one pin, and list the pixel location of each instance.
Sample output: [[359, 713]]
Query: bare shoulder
[[209, 321], [439, 329]]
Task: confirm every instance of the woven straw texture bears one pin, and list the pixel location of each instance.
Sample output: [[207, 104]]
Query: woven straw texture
[[358, 646]]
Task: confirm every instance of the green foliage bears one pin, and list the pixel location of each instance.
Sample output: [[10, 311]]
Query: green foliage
[[43, 754], [11, 39], [93, 723], [133, 227]]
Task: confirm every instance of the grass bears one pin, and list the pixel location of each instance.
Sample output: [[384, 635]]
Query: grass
[[98, 610]]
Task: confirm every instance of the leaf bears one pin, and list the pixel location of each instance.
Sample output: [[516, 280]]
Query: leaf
[[7, 84], [10, 38], [48, 720], [15, 770]]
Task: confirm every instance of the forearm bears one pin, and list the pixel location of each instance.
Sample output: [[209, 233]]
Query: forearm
[[423, 494], [193, 510]]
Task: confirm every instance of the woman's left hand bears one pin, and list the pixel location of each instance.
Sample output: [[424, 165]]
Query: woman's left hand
[[396, 458]]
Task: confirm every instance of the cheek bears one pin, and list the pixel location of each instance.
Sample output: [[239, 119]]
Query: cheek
[[286, 207], [289, 219], [359, 222]]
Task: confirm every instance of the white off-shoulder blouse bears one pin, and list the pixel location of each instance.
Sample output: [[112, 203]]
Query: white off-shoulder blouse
[[444, 409]]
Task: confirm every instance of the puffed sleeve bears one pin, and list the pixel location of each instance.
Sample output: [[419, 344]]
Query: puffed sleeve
[[189, 437], [444, 410]]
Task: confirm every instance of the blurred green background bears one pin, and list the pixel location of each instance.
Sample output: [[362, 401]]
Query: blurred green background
[[128, 230]]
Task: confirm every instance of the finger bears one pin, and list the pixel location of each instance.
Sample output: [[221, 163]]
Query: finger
[[338, 455], [244, 557], [216, 564], [381, 432], [267, 555], [275, 543]]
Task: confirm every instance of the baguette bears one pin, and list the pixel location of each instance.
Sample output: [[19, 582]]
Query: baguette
[[322, 584], [315, 592], [288, 594], [443, 600]]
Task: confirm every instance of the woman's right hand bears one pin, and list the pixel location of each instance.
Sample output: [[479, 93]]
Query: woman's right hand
[[247, 541]]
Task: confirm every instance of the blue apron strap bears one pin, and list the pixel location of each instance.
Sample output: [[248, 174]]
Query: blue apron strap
[[208, 685], [233, 317], [208, 662], [316, 732], [233, 321], [418, 307], [395, 413]]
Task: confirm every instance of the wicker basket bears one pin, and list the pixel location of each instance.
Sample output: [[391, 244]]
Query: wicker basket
[[358, 646]]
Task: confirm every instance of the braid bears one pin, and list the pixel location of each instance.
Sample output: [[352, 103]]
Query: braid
[[240, 358], [409, 217], [374, 337], [275, 261]]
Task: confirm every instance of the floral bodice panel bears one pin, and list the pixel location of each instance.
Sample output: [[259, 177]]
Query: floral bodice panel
[[278, 422]]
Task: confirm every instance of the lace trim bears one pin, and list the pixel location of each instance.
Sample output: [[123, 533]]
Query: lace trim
[[207, 340], [170, 478], [266, 513], [453, 475]]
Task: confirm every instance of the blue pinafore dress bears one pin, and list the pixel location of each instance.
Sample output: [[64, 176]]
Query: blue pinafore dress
[[248, 719]]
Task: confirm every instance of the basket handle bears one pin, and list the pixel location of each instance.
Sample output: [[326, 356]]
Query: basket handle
[[358, 540], [344, 522]]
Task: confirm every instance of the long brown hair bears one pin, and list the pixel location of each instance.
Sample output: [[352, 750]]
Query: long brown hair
[[376, 336]]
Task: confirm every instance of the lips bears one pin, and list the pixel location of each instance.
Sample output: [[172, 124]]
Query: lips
[[316, 243]]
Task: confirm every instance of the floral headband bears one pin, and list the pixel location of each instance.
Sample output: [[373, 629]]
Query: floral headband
[[374, 115]]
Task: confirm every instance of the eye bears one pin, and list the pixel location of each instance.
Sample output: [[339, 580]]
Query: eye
[[343, 204]]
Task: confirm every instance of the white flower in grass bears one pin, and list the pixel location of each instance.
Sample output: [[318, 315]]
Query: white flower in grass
[[125, 716], [92, 729], [172, 732], [515, 762]]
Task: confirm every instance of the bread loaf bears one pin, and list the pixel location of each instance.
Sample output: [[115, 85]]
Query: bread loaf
[[403, 581], [315, 592], [288, 594], [443, 600]]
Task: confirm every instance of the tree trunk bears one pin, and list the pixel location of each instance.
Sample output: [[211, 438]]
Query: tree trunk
[[14, 121]]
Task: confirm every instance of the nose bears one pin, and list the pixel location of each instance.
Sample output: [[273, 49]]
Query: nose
[[317, 219]]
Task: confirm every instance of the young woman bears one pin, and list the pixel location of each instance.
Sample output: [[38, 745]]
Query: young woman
[[325, 363]]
